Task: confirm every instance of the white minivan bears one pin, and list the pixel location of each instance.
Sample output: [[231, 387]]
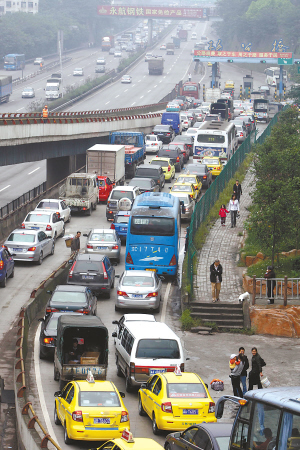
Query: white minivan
[[144, 348]]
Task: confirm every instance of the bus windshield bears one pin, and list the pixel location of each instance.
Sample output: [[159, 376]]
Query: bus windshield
[[9, 60], [154, 226], [211, 138]]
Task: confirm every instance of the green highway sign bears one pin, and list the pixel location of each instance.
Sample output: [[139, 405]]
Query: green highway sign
[[285, 61]]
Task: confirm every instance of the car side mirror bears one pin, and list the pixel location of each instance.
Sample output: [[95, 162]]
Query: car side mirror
[[117, 276], [161, 277], [176, 435], [187, 359], [57, 394], [206, 385], [114, 334], [49, 292], [84, 234], [41, 319], [143, 386], [70, 261], [115, 322], [122, 394]]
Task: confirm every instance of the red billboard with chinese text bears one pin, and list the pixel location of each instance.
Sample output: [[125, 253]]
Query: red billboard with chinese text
[[149, 11]]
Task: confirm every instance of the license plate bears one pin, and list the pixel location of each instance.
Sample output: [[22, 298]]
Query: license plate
[[101, 248], [87, 277], [152, 270], [123, 229], [35, 228], [137, 296], [105, 421], [154, 371], [17, 249], [190, 411]]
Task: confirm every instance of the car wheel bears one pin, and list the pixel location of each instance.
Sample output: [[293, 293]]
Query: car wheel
[[156, 310], [119, 371], [140, 407], [89, 211], [154, 426], [52, 249], [56, 375], [63, 232], [163, 185], [108, 294], [128, 386], [159, 189], [56, 419], [41, 355], [55, 236], [69, 219], [3, 283], [67, 440], [12, 274], [95, 312], [113, 283], [40, 260]]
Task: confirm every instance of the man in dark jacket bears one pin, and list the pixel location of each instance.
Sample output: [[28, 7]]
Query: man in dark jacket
[[243, 375], [75, 244], [256, 372], [270, 283], [216, 280], [237, 190]]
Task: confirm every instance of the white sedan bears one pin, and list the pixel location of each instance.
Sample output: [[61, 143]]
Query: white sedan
[[78, 72], [47, 221], [118, 54], [57, 205], [153, 144], [126, 79]]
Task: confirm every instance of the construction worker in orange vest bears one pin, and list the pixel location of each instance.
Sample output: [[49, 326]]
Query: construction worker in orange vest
[[45, 114]]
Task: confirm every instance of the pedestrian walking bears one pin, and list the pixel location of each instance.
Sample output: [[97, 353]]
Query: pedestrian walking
[[190, 76], [243, 376], [187, 239], [234, 208], [216, 280], [235, 375], [45, 114], [75, 244], [271, 284], [222, 214], [237, 190], [256, 370]]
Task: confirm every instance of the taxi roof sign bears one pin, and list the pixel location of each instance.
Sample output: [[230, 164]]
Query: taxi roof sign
[[90, 378], [177, 370], [127, 436]]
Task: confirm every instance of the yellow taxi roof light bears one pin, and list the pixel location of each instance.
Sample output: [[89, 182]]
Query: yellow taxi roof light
[[243, 402], [127, 436], [90, 378], [177, 370]]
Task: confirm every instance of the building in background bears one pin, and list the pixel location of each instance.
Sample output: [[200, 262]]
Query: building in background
[[11, 6]]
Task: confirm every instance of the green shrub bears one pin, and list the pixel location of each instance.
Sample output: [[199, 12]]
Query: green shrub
[[287, 266], [187, 322]]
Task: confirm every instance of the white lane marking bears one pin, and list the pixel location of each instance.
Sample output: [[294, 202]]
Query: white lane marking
[[133, 103], [39, 89], [142, 96], [117, 96], [155, 86], [69, 74], [20, 109], [3, 189], [38, 379], [139, 81], [29, 173], [165, 76], [126, 90], [149, 91], [165, 303], [133, 85], [160, 81], [107, 103]]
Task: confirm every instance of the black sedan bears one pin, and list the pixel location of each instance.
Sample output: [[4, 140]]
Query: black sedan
[[67, 298], [203, 172], [48, 334], [208, 436], [187, 140], [164, 132], [144, 184]]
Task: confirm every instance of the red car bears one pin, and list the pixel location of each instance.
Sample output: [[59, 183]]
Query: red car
[[105, 186], [183, 147]]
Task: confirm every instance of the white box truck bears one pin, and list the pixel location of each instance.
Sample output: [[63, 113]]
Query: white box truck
[[106, 160]]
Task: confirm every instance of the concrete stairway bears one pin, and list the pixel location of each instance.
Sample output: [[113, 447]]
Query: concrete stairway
[[224, 315]]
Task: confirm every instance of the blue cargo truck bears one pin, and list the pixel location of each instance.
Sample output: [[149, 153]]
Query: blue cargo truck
[[5, 88], [135, 149]]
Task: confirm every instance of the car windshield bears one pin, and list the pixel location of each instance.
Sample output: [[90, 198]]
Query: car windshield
[[159, 162], [182, 187], [95, 399], [108, 237], [153, 226], [186, 390], [129, 280], [121, 219], [158, 349], [42, 218], [117, 195], [21, 237], [47, 205], [68, 297]]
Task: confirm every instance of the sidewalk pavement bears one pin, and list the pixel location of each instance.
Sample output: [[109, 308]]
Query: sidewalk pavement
[[223, 243]]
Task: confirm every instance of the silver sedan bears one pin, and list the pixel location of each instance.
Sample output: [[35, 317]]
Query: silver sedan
[[29, 245], [104, 241], [140, 289]]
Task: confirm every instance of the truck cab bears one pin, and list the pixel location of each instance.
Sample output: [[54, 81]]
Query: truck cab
[[105, 186], [81, 192]]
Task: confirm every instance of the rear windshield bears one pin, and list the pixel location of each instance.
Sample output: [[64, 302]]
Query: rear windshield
[[98, 398], [160, 163], [18, 237], [158, 349], [108, 237], [68, 297], [168, 153], [87, 266], [147, 172], [183, 179], [151, 138], [48, 205], [137, 281], [117, 195], [42, 218], [186, 390], [121, 219], [154, 226], [141, 183], [162, 128], [182, 187]]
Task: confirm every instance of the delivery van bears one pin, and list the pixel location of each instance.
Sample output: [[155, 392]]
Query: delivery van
[[173, 119]]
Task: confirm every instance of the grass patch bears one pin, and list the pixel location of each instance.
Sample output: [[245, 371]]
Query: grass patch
[[289, 266]]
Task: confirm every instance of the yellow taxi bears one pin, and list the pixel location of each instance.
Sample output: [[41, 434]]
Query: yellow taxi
[[193, 179], [209, 64], [167, 167], [175, 401], [187, 188], [126, 442], [214, 165], [91, 410], [229, 84]]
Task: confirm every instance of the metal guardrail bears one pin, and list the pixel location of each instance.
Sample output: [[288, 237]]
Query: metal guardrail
[[45, 68], [283, 289]]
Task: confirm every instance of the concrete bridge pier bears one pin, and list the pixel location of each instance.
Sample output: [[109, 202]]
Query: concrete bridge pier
[[60, 168]]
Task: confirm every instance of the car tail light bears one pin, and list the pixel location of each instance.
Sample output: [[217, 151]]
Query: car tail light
[[104, 272], [211, 408], [112, 226], [77, 416], [168, 134], [72, 270], [48, 340], [152, 294], [115, 247], [173, 261], [82, 311], [1, 265], [167, 407], [241, 134], [89, 246], [31, 249], [122, 293], [23, 225], [177, 159], [48, 228], [132, 367], [169, 168], [124, 416], [50, 310], [204, 177], [158, 181], [129, 259]]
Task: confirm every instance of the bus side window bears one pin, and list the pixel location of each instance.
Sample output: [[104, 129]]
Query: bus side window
[[240, 435], [289, 432]]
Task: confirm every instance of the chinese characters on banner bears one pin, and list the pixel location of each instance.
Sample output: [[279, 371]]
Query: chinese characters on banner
[[149, 11], [226, 54]]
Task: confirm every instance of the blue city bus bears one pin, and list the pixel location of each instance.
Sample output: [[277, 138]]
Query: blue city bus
[[14, 61], [153, 234], [266, 419]]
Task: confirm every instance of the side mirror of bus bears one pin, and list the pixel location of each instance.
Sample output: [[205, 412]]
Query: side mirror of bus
[[115, 322], [114, 334]]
